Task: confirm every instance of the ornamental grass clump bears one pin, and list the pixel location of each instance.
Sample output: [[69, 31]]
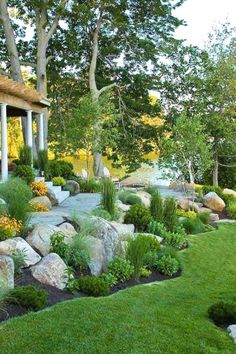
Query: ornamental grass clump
[[43, 161], [39, 189], [170, 213], [156, 207], [138, 215], [28, 296], [25, 172], [108, 197], [25, 155]]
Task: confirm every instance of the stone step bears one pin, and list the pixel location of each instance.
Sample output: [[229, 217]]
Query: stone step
[[49, 184], [61, 196], [39, 179], [55, 189]]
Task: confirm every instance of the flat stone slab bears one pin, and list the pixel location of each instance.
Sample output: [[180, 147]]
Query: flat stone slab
[[232, 330], [222, 221], [84, 202]]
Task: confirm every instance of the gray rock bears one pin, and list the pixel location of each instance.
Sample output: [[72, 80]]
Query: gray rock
[[213, 201], [145, 198], [122, 206], [232, 330], [186, 204], [98, 261], [52, 196], [39, 238], [214, 217], [68, 230], [74, 185], [44, 200], [6, 272], [51, 270], [18, 244], [230, 192], [123, 229]]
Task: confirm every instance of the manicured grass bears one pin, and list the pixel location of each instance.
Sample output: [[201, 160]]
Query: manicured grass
[[169, 317]]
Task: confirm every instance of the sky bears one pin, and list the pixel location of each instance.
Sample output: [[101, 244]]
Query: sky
[[201, 16]]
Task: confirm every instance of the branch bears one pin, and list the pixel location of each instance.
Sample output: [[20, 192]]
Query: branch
[[49, 58], [4, 73], [106, 88], [230, 166], [56, 21], [27, 63]]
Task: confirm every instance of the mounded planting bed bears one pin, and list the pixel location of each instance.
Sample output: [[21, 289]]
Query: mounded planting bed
[[167, 317]]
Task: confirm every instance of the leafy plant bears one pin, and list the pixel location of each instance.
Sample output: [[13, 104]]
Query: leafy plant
[[186, 214], [151, 190], [156, 207], [59, 181], [94, 286], [89, 185], [167, 265], [39, 188], [138, 247], [17, 195], [223, 313], [25, 172], [204, 217], [207, 189], [109, 278], [28, 296], [102, 213], [43, 161], [60, 168], [139, 216], [169, 213], [19, 258], [144, 272], [129, 197], [37, 206], [108, 196], [121, 269], [25, 156], [231, 209], [58, 244]]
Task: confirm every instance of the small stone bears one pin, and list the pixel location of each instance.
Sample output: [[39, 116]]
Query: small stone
[[214, 217], [68, 230], [232, 330], [229, 192], [43, 200], [6, 272], [187, 204], [74, 185], [51, 270], [122, 206]]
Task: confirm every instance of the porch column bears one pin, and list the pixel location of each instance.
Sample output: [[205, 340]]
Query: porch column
[[40, 130], [4, 162], [29, 130]]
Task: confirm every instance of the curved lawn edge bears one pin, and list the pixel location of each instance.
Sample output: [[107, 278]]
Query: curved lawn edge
[[166, 317]]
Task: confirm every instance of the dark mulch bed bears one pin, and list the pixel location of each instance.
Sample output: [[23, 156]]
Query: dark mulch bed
[[55, 295]]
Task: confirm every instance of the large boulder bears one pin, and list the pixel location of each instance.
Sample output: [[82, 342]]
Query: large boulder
[[51, 270], [186, 204], [121, 206], [43, 200], [98, 259], [18, 244], [123, 229], [145, 198], [213, 201], [230, 192], [68, 230], [74, 186], [6, 272], [52, 196]]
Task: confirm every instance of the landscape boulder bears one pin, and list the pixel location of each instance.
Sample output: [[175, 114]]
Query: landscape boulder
[[6, 272], [123, 229], [186, 204], [121, 206], [68, 230], [145, 198], [51, 270], [229, 192], [52, 196], [18, 244], [98, 259], [214, 217], [213, 201], [74, 186], [43, 200]]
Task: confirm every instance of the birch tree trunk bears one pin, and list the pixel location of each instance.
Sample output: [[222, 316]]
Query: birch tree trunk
[[191, 174], [216, 170]]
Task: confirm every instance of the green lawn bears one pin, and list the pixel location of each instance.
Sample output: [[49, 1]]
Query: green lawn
[[169, 317]]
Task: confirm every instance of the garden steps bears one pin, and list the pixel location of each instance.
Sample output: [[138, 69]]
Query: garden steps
[[58, 194]]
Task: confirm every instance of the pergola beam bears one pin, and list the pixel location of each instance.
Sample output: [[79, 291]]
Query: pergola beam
[[20, 103]]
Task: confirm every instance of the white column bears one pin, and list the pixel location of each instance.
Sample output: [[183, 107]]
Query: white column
[[4, 162], [40, 130], [29, 130]]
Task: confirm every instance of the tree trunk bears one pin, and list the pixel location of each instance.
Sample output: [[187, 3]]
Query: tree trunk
[[216, 170], [191, 174]]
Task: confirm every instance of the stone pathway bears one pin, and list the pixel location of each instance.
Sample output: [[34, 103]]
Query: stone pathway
[[83, 202]]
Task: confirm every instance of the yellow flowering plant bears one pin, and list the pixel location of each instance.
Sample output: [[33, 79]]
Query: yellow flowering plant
[[38, 207], [39, 188], [9, 227], [187, 214]]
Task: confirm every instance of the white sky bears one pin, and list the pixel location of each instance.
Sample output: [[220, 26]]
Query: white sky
[[201, 16]]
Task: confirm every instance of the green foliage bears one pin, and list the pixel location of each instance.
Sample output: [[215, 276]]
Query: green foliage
[[176, 239], [121, 269], [144, 272], [78, 255], [25, 156], [19, 258], [167, 265], [69, 188], [204, 217], [17, 195], [89, 185], [28, 296], [25, 172], [139, 216], [129, 197], [109, 278], [43, 160], [58, 244], [59, 181], [207, 189], [228, 198], [108, 196], [102, 213], [138, 247], [223, 313], [5, 233], [60, 168], [151, 190], [195, 226], [231, 209], [93, 286], [169, 213], [156, 207]]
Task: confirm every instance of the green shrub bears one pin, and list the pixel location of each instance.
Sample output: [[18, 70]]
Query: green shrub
[[207, 189], [58, 244], [24, 172], [17, 195], [167, 265], [108, 196], [151, 190], [231, 210], [223, 313], [144, 272], [139, 216], [60, 168], [59, 181], [157, 228], [121, 269], [89, 185], [169, 213], [78, 254], [150, 260], [138, 247], [6, 233], [204, 217], [28, 296], [109, 278], [43, 161], [195, 226], [19, 258], [93, 286], [174, 239], [228, 198], [101, 213], [133, 199], [156, 207], [25, 156]]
